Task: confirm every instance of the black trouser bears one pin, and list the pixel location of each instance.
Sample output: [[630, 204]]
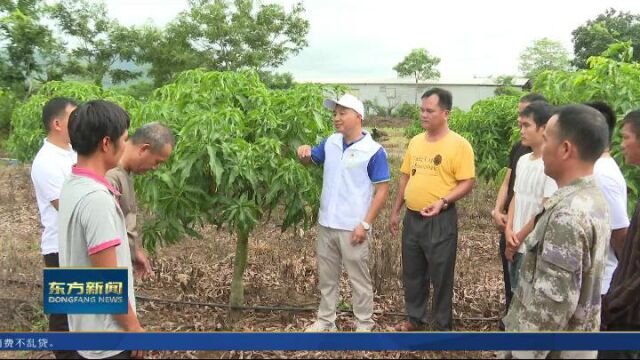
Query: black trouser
[[58, 322], [620, 354], [429, 257], [508, 294]]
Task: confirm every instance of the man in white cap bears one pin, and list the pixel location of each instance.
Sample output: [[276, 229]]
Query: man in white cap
[[354, 189]]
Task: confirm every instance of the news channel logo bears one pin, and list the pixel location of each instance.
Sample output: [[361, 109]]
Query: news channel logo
[[85, 291]]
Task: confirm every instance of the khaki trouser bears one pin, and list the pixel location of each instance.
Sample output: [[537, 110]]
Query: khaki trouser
[[334, 249]]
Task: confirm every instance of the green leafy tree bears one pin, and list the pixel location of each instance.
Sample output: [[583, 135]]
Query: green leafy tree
[[29, 52], [7, 102], [406, 111], [544, 54], [97, 42], [223, 35], [164, 55], [420, 65], [276, 80], [235, 161], [621, 52], [486, 125], [505, 80], [139, 90], [596, 35], [27, 130], [606, 79], [506, 86]]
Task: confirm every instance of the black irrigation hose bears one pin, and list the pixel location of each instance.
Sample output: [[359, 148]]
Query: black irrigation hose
[[257, 308], [286, 308], [226, 306]]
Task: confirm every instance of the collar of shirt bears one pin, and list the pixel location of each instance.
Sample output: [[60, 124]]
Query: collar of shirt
[[345, 146], [76, 170], [566, 191], [124, 171], [58, 150]]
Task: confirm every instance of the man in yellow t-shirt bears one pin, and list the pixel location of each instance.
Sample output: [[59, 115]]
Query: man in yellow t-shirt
[[438, 170]]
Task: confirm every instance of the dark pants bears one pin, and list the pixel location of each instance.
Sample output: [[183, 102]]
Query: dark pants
[[429, 257], [508, 294], [620, 354], [58, 322]]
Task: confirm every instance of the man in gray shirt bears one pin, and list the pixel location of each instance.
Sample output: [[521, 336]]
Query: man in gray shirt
[[148, 147], [91, 224]]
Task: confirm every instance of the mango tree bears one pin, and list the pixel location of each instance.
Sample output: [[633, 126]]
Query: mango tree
[[27, 130], [234, 163], [612, 78]]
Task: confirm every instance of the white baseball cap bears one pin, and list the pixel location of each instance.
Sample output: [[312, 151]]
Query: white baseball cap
[[348, 101]]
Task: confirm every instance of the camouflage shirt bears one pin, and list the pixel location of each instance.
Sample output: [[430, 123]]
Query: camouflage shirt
[[562, 269]]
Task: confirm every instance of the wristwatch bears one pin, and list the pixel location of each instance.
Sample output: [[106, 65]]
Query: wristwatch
[[366, 226], [445, 204]]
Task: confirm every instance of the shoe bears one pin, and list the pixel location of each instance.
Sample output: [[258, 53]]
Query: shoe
[[321, 326], [408, 326]]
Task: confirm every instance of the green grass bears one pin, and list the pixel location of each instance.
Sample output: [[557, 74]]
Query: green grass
[[344, 306]]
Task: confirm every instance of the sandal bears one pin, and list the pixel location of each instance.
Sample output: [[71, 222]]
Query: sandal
[[406, 326]]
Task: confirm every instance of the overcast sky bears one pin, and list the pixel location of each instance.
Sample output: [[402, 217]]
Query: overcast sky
[[361, 39]]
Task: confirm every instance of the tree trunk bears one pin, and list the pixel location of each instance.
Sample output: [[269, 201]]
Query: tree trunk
[[237, 289]]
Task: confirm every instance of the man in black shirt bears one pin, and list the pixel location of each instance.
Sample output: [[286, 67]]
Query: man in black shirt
[[505, 194], [621, 305]]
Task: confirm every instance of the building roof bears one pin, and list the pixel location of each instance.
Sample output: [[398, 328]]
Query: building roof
[[484, 81]]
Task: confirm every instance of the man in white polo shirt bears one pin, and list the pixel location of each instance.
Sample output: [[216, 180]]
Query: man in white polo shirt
[[355, 167], [611, 182], [92, 226], [50, 168]]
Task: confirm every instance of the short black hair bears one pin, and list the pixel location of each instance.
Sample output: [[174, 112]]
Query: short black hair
[[54, 108], [92, 121], [633, 119], [540, 111], [584, 127], [607, 112], [531, 97], [155, 134], [445, 99]]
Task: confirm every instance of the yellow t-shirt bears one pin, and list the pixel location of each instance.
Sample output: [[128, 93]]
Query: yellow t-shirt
[[434, 169]]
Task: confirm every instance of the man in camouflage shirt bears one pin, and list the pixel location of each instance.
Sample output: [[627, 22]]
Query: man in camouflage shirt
[[563, 265]]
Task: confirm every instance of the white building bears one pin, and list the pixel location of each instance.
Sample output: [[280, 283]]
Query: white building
[[392, 92]]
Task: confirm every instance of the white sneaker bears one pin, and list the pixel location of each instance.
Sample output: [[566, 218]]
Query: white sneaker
[[321, 326]]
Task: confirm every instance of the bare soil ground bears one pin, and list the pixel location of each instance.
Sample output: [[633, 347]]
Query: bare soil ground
[[281, 272], [392, 122]]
